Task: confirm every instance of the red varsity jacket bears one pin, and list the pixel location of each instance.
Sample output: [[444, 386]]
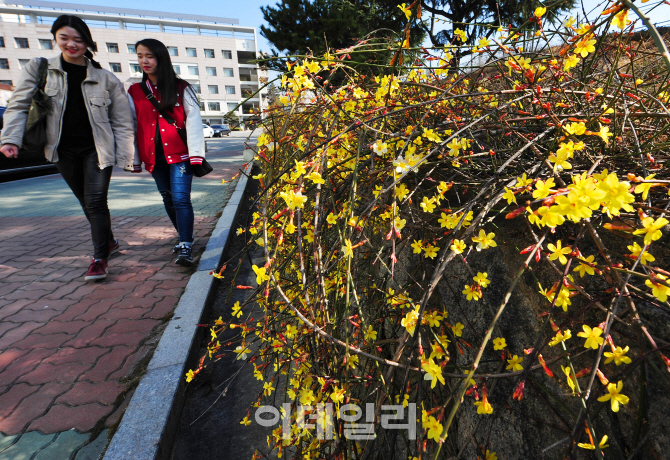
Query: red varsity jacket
[[147, 117]]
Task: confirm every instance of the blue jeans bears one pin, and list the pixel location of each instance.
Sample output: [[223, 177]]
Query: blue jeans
[[174, 184]]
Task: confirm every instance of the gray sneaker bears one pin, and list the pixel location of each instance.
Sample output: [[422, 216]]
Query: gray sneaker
[[185, 256]]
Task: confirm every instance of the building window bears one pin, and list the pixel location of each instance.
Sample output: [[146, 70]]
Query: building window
[[209, 53], [173, 50], [191, 52], [6, 82], [115, 67], [227, 54], [21, 42], [228, 72], [112, 47], [23, 63], [231, 106], [196, 87], [202, 106], [4, 63], [230, 90], [2, 42], [135, 68], [131, 48], [214, 106], [46, 44], [213, 89], [211, 71], [177, 69], [193, 70]]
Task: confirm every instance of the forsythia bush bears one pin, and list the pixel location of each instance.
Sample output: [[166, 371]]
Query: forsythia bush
[[374, 191]]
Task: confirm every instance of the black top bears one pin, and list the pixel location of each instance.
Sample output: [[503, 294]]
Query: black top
[[77, 134], [160, 151]]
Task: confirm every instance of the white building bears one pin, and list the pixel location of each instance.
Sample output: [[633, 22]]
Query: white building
[[211, 53]]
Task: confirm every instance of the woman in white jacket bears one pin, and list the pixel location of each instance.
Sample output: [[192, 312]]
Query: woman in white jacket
[[88, 127], [160, 144]]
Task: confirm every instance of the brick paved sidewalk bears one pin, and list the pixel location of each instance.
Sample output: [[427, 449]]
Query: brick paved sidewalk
[[71, 350]]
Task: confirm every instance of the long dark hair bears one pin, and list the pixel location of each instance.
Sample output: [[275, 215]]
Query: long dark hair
[[69, 20], [168, 82]]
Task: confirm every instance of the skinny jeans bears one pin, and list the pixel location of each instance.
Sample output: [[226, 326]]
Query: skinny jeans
[[174, 184], [90, 185]]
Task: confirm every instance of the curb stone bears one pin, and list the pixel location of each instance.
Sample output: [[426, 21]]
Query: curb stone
[[152, 417]]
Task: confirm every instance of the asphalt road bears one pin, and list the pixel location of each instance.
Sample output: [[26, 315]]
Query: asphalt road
[[232, 142]]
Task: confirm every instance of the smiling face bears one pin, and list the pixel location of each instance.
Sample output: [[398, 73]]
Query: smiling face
[[147, 60], [71, 44]]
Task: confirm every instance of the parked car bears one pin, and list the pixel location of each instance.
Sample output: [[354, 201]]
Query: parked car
[[207, 131], [221, 130]]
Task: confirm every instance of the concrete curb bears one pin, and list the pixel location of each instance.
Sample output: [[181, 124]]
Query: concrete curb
[[152, 417]]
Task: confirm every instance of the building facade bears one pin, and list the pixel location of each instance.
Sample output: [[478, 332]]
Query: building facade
[[213, 54]]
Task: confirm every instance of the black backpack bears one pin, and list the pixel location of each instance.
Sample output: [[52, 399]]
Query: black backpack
[[35, 134]]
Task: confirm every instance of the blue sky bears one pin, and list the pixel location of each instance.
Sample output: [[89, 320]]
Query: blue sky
[[249, 13]]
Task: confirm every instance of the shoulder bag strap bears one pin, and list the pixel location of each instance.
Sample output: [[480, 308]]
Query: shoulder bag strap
[[42, 73], [166, 116]]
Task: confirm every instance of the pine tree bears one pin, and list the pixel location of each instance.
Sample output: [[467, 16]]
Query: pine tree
[[301, 27], [314, 26], [481, 18]]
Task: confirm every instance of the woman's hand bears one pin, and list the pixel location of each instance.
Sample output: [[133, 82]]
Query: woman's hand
[[10, 150]]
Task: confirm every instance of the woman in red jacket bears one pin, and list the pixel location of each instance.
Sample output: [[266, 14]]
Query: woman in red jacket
[[159, 143]]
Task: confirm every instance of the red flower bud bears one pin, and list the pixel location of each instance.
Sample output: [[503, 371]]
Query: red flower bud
[[527, 250], [622, 228], [515, 213], [544, 366], [666, 360], [583, 372], [518, 393], [602, 377]]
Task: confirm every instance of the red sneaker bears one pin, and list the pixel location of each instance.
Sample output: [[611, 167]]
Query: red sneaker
[[97, 270], [113, 247]]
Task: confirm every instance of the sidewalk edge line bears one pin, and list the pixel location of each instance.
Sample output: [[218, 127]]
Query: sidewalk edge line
[[152, 417]]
